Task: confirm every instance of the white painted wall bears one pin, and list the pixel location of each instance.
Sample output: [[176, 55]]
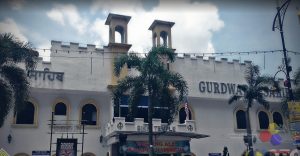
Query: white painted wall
[[213, 115]]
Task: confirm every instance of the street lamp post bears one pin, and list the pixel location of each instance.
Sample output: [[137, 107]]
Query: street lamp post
[[280, 16]]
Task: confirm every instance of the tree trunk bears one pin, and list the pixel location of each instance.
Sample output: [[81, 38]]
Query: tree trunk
[[151, 147], [249, 133]]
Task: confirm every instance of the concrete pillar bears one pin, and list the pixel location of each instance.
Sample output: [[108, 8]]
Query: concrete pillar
[[158, 39], [112, 35], [125, 35], [153, 39], [169, 40]]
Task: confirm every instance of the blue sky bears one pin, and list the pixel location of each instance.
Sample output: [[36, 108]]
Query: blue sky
[[201, 26]]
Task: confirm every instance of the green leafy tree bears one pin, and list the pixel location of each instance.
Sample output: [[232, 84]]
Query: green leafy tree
[[163, 87], [253, 93], [14, 86], [297, 84]]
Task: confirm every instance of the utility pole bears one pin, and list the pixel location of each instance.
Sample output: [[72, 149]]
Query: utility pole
[[51, 131], [280, 16]]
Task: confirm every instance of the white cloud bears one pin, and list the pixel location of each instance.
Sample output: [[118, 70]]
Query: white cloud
[[10, 26], [56, 15], [68, 14], [194, 26], [192, 32], [99, 30]]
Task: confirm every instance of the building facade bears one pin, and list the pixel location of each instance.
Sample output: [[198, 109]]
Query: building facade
[[76, 85]]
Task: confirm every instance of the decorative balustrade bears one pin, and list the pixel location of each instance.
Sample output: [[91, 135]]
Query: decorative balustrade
[[118, 124]]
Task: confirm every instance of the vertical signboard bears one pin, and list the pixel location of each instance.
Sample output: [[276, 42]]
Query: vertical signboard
[[66, 147], [294, 120]]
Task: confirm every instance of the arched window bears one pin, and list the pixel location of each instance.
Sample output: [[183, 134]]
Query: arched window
[[60, 109], [182, 115], [263, 119], [164, 39], [26, 115], [240, 116], [277, 118], [89, 114], [119, 37]]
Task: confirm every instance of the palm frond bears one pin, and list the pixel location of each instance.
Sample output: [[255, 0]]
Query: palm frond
[[297, 76], [267, 81], [243, 88], [234, 98], [16, 51], [123, 86], [251, 73], [163, 51], [262, 88], [6, 102], [132, 60], [20, 85], [261, 100], [170, 104], [178, 82]]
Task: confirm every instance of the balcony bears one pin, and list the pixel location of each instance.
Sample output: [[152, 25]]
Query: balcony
[[139, 127]]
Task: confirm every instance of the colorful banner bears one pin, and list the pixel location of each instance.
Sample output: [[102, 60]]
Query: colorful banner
[[66, 147], [294, 111], [294, 121], [160, 147]]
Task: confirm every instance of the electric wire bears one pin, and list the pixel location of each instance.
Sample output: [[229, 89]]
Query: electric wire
[[180, 54]]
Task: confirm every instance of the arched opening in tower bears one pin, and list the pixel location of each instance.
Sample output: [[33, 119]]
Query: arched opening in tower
[[120, 36]]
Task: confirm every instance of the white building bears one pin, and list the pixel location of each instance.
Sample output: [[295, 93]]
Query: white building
[[79, 79]]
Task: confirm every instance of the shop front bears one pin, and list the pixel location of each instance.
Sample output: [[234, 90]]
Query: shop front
[[160, 147], [131, 139]]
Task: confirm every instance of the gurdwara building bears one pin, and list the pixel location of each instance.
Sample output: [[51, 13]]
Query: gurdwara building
[[76, 85]]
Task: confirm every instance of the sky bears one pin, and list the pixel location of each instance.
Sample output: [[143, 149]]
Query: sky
[[201, 26]]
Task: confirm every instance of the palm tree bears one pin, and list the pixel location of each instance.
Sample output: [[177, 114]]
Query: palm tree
[[253, 91], [164, 88], [14, 87]]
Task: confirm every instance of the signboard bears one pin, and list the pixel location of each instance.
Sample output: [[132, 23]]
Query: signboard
[[294, 111], [66, 147], [219, 88], [67, 128], [294, 119], [40, 153], [214, 154], [160, 147]]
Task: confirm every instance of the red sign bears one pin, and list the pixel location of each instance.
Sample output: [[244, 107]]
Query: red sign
[[160, 147]]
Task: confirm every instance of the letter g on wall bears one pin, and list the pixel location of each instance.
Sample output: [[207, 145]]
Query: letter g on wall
[[202, 86]]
